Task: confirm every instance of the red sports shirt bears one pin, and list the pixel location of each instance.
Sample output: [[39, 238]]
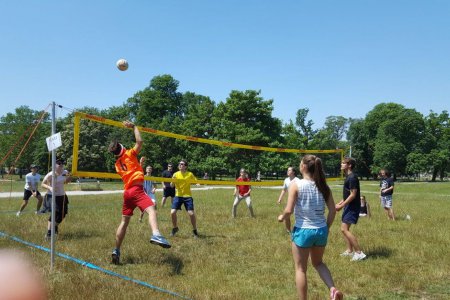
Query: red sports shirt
[[243, 189]]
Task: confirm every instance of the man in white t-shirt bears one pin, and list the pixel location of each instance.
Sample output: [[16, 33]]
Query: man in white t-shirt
[[32, 181], [292, 177]]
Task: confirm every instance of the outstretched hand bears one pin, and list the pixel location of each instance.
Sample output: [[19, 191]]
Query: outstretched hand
[[128, 124]]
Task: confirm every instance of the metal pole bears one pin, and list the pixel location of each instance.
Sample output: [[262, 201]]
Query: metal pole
[[52, 243]]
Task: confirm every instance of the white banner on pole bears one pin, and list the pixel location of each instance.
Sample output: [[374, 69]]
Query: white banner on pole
[[54, 141]]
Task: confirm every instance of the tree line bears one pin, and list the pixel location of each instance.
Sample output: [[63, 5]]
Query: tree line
[[389, 136]]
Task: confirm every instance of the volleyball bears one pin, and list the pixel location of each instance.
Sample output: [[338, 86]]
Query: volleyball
[[122, 64]]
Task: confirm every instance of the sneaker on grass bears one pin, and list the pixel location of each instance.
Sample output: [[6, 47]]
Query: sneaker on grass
[[160, 241], [346, 253], [116, 256], [358, 256]]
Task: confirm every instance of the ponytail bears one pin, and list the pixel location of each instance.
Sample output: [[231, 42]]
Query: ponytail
[[320, 180], [315, 169]]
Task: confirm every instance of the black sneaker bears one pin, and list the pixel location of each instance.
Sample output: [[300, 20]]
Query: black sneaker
[[116, 256], [174, 231], [195, 233]]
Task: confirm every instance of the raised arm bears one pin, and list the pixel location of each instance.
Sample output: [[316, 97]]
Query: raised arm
[[137, 135]]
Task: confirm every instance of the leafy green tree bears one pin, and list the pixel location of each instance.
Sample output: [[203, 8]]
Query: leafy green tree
[[245, 118], [433, 150], [359, 142], [22, 129]]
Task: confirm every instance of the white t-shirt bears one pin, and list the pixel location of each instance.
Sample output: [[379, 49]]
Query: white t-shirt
[[310, 206], [59, 184], [288, 181], [32, 181]]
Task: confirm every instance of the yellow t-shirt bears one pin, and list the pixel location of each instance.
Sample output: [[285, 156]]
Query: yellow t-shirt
[[129, 168], [183, 188]]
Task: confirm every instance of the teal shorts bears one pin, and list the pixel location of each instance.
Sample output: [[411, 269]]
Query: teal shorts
[[310, 237]]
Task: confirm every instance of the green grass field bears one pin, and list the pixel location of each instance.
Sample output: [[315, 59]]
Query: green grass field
[[242, 258]]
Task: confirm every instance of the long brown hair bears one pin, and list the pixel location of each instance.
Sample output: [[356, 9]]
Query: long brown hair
[[314, 166]]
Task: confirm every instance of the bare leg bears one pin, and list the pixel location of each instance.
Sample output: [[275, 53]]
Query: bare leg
[[24, 204], [350, 239], [300, 256], [173, 214], [122, 230], [39, 203], [152, 221], [191, 214], [321, 268]]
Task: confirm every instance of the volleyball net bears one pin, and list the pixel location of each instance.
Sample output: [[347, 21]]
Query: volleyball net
[[85, 164]]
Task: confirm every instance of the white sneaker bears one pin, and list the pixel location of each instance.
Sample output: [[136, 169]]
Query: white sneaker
[[358, 256], [18, 214], [346, 253]]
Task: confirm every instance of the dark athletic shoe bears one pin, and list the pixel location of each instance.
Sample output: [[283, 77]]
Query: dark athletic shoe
[[116, 256], [174, 231]]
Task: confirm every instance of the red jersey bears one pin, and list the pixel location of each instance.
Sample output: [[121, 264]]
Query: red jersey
[[128, 167], [243, 189]]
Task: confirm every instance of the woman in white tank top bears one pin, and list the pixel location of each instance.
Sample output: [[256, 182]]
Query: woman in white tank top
[[307, 199]]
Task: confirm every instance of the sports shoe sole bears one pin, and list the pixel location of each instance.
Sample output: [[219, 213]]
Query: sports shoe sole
[[160, 244]]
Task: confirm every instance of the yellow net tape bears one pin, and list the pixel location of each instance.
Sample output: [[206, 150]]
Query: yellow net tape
[[76, 133]]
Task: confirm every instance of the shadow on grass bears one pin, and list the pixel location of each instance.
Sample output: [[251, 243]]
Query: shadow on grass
[[379, 252], [78, 235], [175, 263]]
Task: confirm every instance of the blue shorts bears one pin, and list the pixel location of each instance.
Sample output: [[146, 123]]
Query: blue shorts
[[350, 216], [310, 237], [179, 201]]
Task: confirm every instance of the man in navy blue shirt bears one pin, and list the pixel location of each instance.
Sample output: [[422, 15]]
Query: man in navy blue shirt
[[351, 203]]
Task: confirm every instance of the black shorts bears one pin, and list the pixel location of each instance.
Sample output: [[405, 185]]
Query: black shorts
[[169, 192], [27, 194], [61, 207]]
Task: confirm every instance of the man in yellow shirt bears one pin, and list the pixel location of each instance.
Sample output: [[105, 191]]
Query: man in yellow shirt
[[132, 174], [183, 195]]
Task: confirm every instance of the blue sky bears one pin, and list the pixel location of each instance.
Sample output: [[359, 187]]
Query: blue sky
[[333, 57]]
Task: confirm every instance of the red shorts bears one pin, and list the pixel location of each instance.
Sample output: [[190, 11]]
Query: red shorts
[[134, 197]]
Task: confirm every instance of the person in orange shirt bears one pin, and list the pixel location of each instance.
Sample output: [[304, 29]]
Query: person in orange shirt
[[132, 174]]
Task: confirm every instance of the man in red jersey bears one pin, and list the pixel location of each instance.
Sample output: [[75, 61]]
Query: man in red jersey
[[128, 167]]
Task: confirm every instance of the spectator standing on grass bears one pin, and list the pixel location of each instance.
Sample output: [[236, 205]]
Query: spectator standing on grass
[[292, 177], [183, 196], [32, 181], [149, 186], [352, 205], [242, 192], [307, 198], [365, 208], [386, 191], [168, 189], [129, 169], [62, 177]]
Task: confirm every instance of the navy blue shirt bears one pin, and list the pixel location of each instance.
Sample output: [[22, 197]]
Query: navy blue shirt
[[352, 183], [386, 183]]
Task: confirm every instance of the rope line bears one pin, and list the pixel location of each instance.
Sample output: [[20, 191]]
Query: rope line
[[92, 266]]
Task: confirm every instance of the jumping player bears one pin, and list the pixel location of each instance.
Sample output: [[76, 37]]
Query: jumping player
[[128, 167]]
